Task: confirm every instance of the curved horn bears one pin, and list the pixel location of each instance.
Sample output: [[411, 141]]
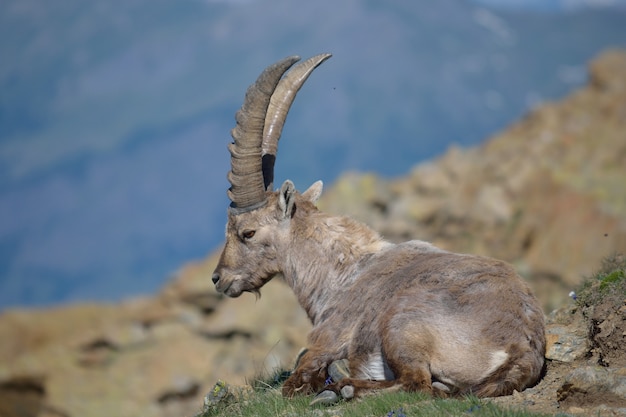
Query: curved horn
[[247, 189], [278, 108]]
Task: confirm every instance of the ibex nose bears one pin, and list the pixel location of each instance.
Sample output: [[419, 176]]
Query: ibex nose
[[215, 278]]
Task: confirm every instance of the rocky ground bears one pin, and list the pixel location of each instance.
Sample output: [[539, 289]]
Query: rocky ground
[[586, 368], [547, 195]]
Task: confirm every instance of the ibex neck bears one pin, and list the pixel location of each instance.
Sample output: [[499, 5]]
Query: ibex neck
[[324, 259]]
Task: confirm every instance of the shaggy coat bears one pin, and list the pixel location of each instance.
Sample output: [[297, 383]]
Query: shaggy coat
[[405, 316]]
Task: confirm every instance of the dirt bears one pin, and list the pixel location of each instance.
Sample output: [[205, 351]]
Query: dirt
[[553, 396], [608, 333]]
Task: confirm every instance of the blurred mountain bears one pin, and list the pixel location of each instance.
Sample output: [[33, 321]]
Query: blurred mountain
[[546, 194], [114, 117]]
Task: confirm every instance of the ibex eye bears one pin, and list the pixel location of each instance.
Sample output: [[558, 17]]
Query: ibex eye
[[248, 234]]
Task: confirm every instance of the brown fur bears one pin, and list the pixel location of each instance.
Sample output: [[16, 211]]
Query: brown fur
[[408, 316]]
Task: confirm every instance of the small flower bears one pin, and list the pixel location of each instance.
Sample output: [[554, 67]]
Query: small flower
[[328, 381], [398, 413], [573, 295]]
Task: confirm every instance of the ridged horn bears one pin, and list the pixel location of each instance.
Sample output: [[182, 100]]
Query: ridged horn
[[247, 190], [277, 111]]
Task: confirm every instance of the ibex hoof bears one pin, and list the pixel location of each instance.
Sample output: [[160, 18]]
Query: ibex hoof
[[441, 387], [325, 398], [339, 370], [347, 392]]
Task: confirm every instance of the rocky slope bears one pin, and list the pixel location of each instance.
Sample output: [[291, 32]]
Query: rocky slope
[[548, 195]]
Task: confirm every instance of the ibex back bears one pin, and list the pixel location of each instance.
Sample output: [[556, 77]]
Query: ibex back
[[408, 316]]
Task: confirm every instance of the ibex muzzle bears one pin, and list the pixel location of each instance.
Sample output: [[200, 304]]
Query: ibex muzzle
[[405, 315]]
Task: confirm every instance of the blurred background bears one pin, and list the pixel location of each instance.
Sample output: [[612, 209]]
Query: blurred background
[[114, 116], [492, 127]]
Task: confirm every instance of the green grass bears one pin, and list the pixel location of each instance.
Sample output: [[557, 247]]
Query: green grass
[[397, 404], [263, 399], [608, 283]]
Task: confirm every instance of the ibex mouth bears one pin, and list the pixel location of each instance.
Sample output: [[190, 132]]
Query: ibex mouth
[[221, 286], [230, 290]]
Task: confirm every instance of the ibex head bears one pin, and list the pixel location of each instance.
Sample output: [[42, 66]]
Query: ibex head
[[258, 217]]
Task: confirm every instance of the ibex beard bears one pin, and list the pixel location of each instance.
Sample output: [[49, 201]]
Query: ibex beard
[[405, 316]]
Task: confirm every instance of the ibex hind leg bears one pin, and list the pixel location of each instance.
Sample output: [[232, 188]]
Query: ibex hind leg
[[522, 369], [415, 378], [362, 387], [407, 355]]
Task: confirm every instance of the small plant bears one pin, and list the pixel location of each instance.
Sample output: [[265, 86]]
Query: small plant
[[612, 279], [602, 300], [270, 403], [607, 283], [397, 413]]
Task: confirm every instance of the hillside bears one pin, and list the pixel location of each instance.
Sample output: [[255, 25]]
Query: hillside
[[547, 194]]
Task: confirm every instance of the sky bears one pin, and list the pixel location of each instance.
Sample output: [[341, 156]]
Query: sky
[[552, 5]]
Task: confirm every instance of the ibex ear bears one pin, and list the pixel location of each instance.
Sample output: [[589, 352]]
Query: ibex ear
[[286, 198], [314, 192]]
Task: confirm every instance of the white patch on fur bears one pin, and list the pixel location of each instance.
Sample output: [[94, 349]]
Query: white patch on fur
[[374, 368], [497, 360], [441, 387], [446, 381]]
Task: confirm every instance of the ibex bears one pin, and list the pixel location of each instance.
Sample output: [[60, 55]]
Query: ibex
[[405, 316]]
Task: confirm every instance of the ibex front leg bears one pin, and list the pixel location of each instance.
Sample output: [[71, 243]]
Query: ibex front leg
[[310, 374]]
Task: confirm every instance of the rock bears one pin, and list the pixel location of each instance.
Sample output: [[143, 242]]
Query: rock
[[565, 343], [608, 72], [593, 385], [492, 205], [419, 209], [223, 394], [567, 334], [22, 396], [325, 397], [347, 392], [429, 178]]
